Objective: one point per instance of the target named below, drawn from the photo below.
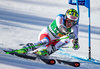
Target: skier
(64, 25)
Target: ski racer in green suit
(64, 25)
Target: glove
(25, 49)
(75, 44)
(29, 44)
(71, 35)
(29, 47)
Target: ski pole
(37, 45)
(68, 47)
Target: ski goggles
(72, 22)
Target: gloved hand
(29, 44)
(75, 44)
(25, 49)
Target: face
(70, 23)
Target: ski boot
(26, 48)
(21, 51)
(43, 52)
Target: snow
(22, 20)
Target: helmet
(71, 14)
(71, 17)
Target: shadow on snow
(36, 20)
(42, 3)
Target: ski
(49, 61)
(74, 64)
(30, 56)
(44, 59)
(35, 56)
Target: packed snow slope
(22, 20)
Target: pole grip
(89, 53)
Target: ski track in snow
(22, 20)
